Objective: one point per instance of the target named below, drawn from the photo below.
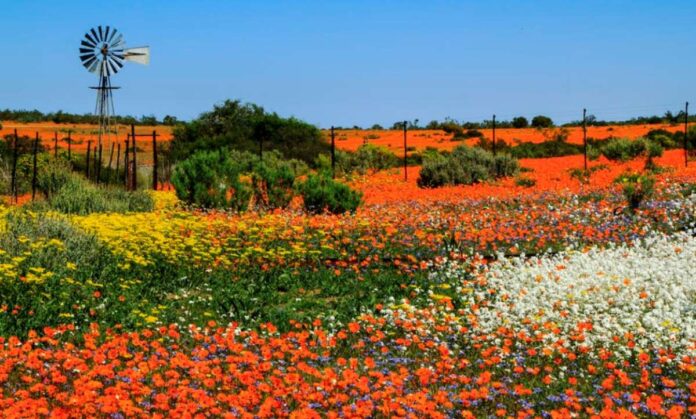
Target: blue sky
(362, 62)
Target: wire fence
(137, 161)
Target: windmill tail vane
(103, 52)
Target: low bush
(465, 166)
(636, 188)
(210, 179)
(524, 181)
(623, 149)
(321, 193)
(79, 196)
(272, 185)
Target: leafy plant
(464, 166)
(272, 186)
(636, 188)
(321, 193)
(210, 179)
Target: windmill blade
(117, 43)
(88, 62)
(114, 65)
(84, 43)
(106, 34)
(113, 35)
(94, 34)
(101, 34)
(87, 51)
(94, 66)
(140, 55)
(91, 39)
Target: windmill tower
(102, 52)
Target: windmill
(102, 52)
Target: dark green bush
(272, 185)
(464, 166)
(210, 179)
(248, 127)
(321, 193)
(524, 181)
(520, 122)
(541, 121)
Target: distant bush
(465, 166)
(524, 181)
(541, 121)
(210, 179)
(652, 151)
(248, 127)
(551, 148)
(623, 149)
(470, 133)
(367, 157)
(520, 122)
(321, 193)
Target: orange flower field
(393, 140)
(544, 298)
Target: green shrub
(321, 193)
(465, 166)
(246, 127)
(520, 122)
(210, 179)
(636, 188)
(79, 196)
(652, 151)
(556, 147)
(52, 175)
(541, 121)
(623, 149)
(525, 181)
(272, 186)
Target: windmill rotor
(103, 52)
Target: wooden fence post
(126, 162)
(69, 146)
(333, 153)
(405, 152)
(55, 144)
(89, 150)
(154, 160)
(14, 166)
(33, 177)
(135, 162)
(98, 163)
(111, 160)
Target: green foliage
(524, 181)
(470, 133)
(541, 121)
(368, 157)
(273, 185)
(79, 196)
(465, 166)
(520, 122)
(247, 127)
(636, 188)
(551, 148)
(623, 149)
(210, 179)
(321, 193)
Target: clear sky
(362, 62)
